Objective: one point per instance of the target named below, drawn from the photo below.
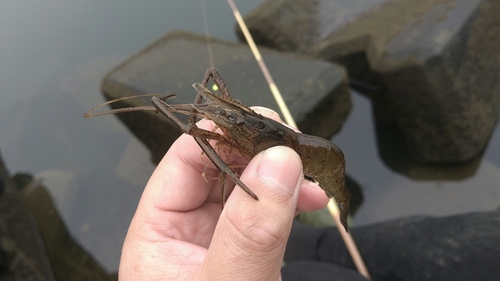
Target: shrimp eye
(240, 120)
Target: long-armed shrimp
(250, 133)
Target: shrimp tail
(324, 162)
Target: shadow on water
(394, 185)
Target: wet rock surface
(316, 92)
(318, 271)
(461, 247)
(22, 253)
(34, 242)
(68, 259)
(436, 61)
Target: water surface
(54, 55)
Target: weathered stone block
(460, 247)
(437, 60)
(316, 91)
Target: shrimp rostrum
(249, 133)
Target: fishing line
(207, 33)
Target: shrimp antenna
(91, 113)
(332, 205)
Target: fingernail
(281, 166)
(264, 111)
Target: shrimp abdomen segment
(324, 162)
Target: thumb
(250, 238)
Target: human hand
(180, 232)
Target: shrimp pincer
(250, 133)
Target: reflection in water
(54, 60)
(77, 162)
(62, 185)
(395, 155)
(67, 258)
(389, 195)
(357, 196)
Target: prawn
(250, 133)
